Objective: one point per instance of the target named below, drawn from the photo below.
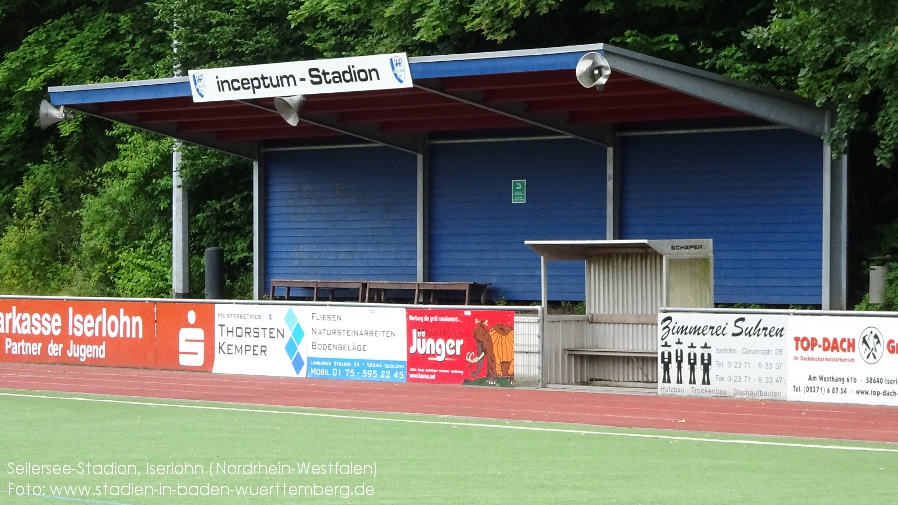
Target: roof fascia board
(499, 62)
(173, 87)
(778, 107)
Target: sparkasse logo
(191, 344)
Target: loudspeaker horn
(288, 107)
(50, 115)
(593, 70)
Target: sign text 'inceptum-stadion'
(338, 75)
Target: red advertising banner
(185, 336)
(98, 333)
(460, 346)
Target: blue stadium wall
(341, 214)
(477, 233)
(351, 213)
(758, 194)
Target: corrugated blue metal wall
(477, 233)
(351, 213)
(758, 194)
(341, 214)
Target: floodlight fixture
(289, 107)
(593, 71)
(50, 115)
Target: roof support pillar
(259, 226)
(423, 232)
(180, 230)
(835, 229)
(612, 190)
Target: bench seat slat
(612, 352)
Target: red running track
(716, 415)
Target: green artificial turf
(403, 459)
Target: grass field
(116, 450)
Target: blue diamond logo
(298, 363)
(293, 342)
(291, 348)
(298, 334)
(290, 319)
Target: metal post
(544, 309)
(259, 225)
(180, 231)
(422, 267)
(612, 191)
(180, 251)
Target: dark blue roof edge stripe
(172, 87)
(499, 62)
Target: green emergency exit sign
(519, 191)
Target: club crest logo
(397, 64)
(199, 84)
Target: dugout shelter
(445, 177)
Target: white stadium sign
(339, 75)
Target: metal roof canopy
(686, 277)
(574, 250)
(508, 93)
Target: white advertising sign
(338, 75)
(356, 343)
(304, 341)
(843, 359)
(797, 357)
(733, 355)
(254, 340)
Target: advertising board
(734, 355)
(79, 332)
(310, 341)
(769, 355)
(355, 343)
(185, 336)
(843, 359)
(460, 346)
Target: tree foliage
(842, 52)
(419, 27)
(220, 33)
(85, 207)
(125, 239)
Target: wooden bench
(638, 356)
(316, 287)
(470, 289)
(377, 290)
(620, 353)
(626, 353)
(424, 291)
